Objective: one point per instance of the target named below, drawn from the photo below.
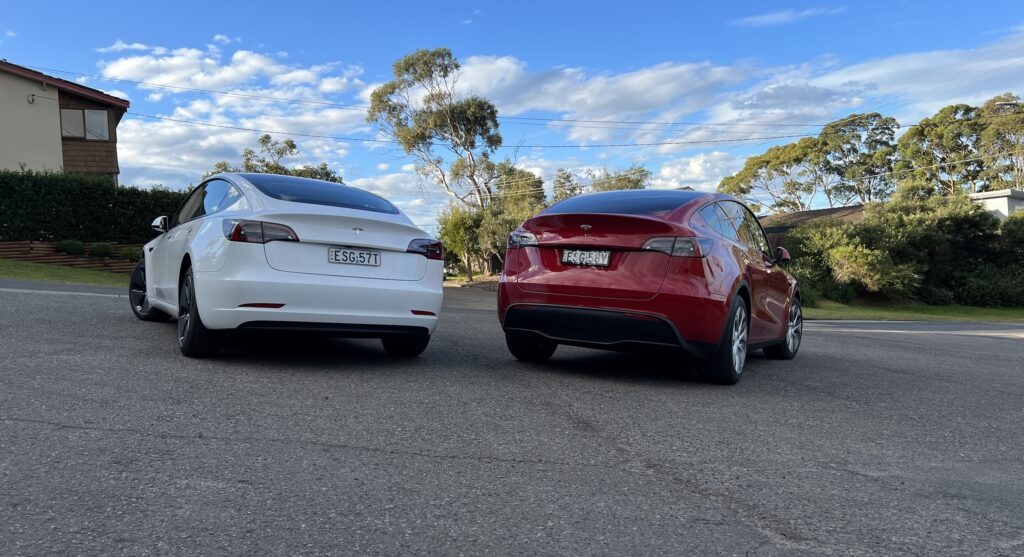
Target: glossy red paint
(693, 293)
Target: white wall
(29, 133)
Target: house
(1001, 203)
(50, 124)
(776, 226)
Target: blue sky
(743, 70)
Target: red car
(638, 269)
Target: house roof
(64, 85)
(1011, 193)
(853, 213)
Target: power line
(550, 146)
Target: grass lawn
(913, 312)
(25, 270)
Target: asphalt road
(879, 438)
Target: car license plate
(586, 257)
(351, 256)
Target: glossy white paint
(297, 274)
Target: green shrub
(101, 250)
(131, 254)
(49, 205)
(71, 247)
(872, 270)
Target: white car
(281, 253)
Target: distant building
(50, 124)
(1001, 203)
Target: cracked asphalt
(879, 438)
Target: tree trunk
(469, 267)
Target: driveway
(879, 438)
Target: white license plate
(350, 256)
(586, 257)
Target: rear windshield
(318, 192)
(651, 203)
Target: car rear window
(318, 192)
(651, 203)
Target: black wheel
(794, 335)
(194, 339)
(530, 348)
(726, 365)
(138, 298)
(406, 346)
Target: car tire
(138, 298)
(790, 344)
(405, 346)
(194, 339)
(530, 348)
(725, 367)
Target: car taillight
(257, 232)
(680, 247)
(520, 239)
(431, 249)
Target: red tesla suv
(638, 269)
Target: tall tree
(269, 160)
(860, 151)
(519, 195)
(635, 177)
(1002, 142)
(565, 186)
(459, 225)
(941, 153)
(785, 178)
(421, 110)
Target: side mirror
(781, 255)
(160, 224)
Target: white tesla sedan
(280, 253)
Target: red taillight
(257, 232)
(422, 312)
(431, 249)
(680, 247)
(521, 239)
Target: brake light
(257, 232)
(680, 247)
(431, 249)
(521, 239)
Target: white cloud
(224, 39)
(120, 46)
(701, 172)
(383, 166)
(117, 93)
(10, 34)
(467, 21)
(784, 17)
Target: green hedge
(54, 206)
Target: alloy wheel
(795, 330)
(184, 310)
(739, 339)
(137, 290)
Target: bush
(872, 270)
(48, 205)
(131, 254)
(71, 247)
(101, 250)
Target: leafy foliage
(101, 249)
(421, 110)
(268, 161)
(565, 186)
(131, 254)
(635, 177)
(51, 206)
(71, 247)
(459, 232)
(520, 195)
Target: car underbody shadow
(658, 366)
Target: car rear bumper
(670, 320)
(599, 328)
(343, 305)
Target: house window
(84, 124)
